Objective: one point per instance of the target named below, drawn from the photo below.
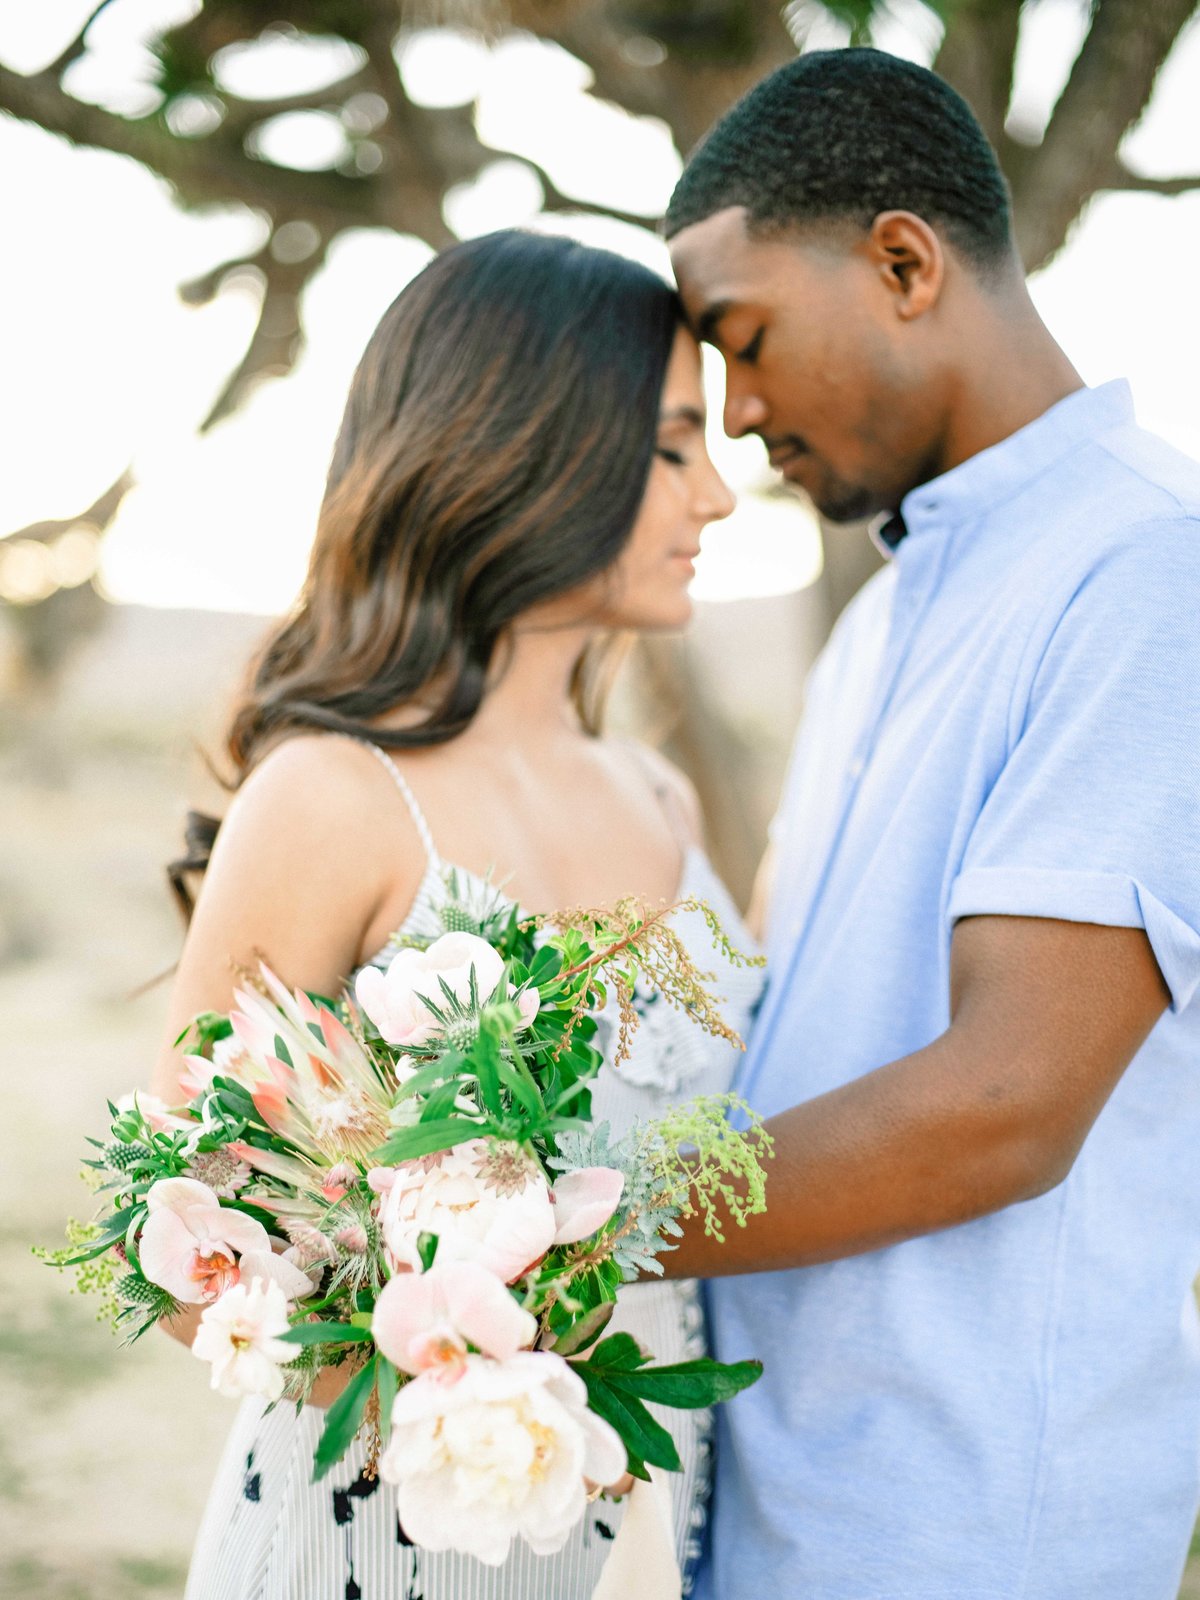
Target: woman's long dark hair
(493, 454)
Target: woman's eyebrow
(688, 414)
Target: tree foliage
(681, 63)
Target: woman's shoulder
(675, 790)
(315, 791)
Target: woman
(521, 471)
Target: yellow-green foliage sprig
(708, 1167)
(98, 1276)
(635, 940)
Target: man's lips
(779, 454)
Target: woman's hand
(183, 1325)
(612, 1491)
(332, 1384)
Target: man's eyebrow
(689, 414)
(710, 320)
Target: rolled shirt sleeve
(1095, 816)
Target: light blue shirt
(1006, 720)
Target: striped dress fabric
(270, 1533)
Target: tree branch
(1138, 183)
(78, 44)
(241, 115)
(1107, 91)
(278, 336)
(976, 56)
(202, 171)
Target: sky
(102, 366)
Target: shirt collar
(1001, 471)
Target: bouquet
(405, 1181)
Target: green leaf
(427, 1244)
(545, 966)
(690, 1385)
(448, 1068)
(388, 1381)
(619, 1353)
(343, 1420)
(426, 1138)
(485, 1059)
(585, 1331)
(112, 1231)
(305, 1333)
(645, 1440)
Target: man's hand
(1045, 1017)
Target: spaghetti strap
(410, 800)
(665, 794)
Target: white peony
(500, 1453)
(238, 1334)
(395, 999)
(504, 1221)
(489, 1202)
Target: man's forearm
(898, 1153)
(1046, 1016)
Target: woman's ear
(909, 258)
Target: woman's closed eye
(673, 456)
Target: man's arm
(1045, 1017)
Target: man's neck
(1016, 373)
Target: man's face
(819, 361)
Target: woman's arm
(312, 847)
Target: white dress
(270, 1533)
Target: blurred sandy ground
(105, 1453)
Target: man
(980, 1050)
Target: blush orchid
(197, 1249)
(424, 1322)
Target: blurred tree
(683, 63)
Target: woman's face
(647, 586)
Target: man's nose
(744, 413)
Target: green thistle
(138, 1291)
(119, 1157)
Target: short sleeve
(1095, 816)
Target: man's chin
(852, 506)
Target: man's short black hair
(841, 135)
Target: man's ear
(908, 256)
